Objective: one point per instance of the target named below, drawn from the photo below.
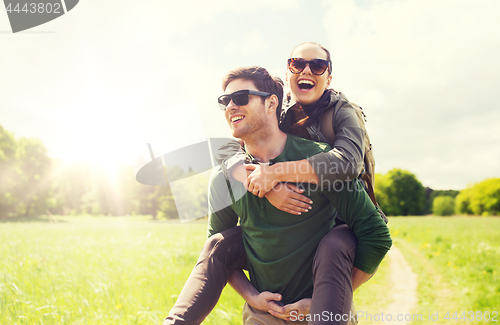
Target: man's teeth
(307, 82)
(236, 118)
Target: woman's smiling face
(307, 87)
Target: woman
(308, 99)
(308, 77)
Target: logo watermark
(363, 316)
(28, 14)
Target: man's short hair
(262, 80)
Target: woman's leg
(222, 253)
(332, 276)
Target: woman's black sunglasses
(239, 97)
(317, 66)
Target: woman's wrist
(279, 171)
(299, 171)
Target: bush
(400, 193)
(434, 194)
(480, 199)
(462, 201)
(443, 206)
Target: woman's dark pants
(224, 252)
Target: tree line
(33, 184)
(400, 193)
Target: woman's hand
(262, 179)
(293, 312)
(288, 197)
(266, 301)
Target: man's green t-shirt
(280, 246)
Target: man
(281, 248)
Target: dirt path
(400, 291)
(403, 287)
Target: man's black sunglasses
(239, 97)
(317, 66)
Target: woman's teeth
(305, 84)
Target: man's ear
(272, 103)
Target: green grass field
(99, 271)
(457, 260)
(87, 270)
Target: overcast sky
(102, 80)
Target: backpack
(368, 173)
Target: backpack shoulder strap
(326, 126)
(326, 121)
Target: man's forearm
(240, 283)
(359, 277)
(264, 301)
